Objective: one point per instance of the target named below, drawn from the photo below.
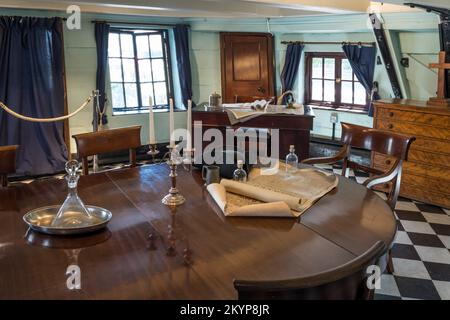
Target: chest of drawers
(426, 174)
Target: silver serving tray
(40, 220)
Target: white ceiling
(435, 3)
(218, 8)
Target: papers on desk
(255, 105)
(279, 195)
(241, 112)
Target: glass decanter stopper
(73, 212)
(240, 174)
(291, 160)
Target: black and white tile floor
(421, 250)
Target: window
(331, 82)
(139, 67)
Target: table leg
(299, 138)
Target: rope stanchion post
(95, 123)
(96, 94)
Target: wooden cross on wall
(440, 100)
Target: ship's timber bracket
(444, 35)
(388, 45)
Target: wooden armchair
(89, 144)
(385, 142)
(7, 163)
(347, 282)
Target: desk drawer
(427, 196)
(431, 145)
(413, 129)
(411, 116)
(429, 171)
(383, 162)
(434, 185)
(441, 160)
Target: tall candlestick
(151, 124)
(189, 125)
(171, 127)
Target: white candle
(189, 125)
(171, 127)
(151, 123)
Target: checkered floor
(421, 251)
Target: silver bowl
(40, 220)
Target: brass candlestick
(173, 198)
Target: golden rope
(22, 117)
(99, 112)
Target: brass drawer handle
(391, 114)
(390, 126)
(388, 162)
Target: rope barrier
(22, 117)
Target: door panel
(247, 65)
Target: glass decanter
(239, 174)
(291, 160)
(73, 212)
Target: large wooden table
(293, 129)
(121, 263)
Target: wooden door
(247, 65)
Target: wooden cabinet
(426, 174)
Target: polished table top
(194, 252)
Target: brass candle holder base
(173, 198)
(153, 151)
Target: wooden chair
(347, 282)
(7, 163)
(388, 143)
(245, 99)
(385, 142)
(89, 144)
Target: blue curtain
(362, 60)
(32, 83)
(290, 69)
(101, 38)
(181, 33)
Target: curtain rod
(135, 23)
(330, 42)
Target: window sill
(356, 111)
(127, 113)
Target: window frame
(337, 104)
(166, 57)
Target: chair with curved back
(388, 143)
(347, 282)
(7, 163)
(93, 143)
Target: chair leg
(4, 180)
(85, 166)
(133, 157)
(390, 264)
(371, 294)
